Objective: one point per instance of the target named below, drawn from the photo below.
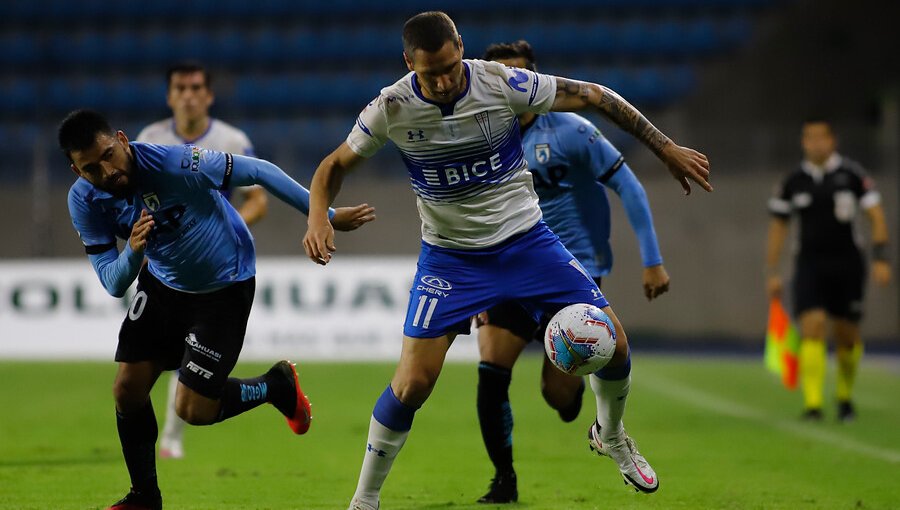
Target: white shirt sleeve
(370, 132)
(528, 91)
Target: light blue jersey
(199, 242)
(569, 159)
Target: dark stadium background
(733, 78)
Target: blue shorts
(533, 269)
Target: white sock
(611, 397)
(173, 430)
(382, 448)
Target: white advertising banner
(352, 309)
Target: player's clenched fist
(140, 232)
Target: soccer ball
(580, 339)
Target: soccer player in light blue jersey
(190, 95)
(570, 162)
(195, 292)
(483, 240)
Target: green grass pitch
(720, 433)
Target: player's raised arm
(326, 183)
(682, 162)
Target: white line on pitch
(710, 402)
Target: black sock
(571, 411)
(242, 395)
(137, 433)
(495, 415)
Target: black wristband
(880, 252)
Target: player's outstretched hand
(684, 164)
(351, 218)
(140, 231)
(319, 241)
(656, 281)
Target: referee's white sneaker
(634, 467)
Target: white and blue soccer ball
(580, 339)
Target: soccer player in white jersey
(190, 97)
(483, 241)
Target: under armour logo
(372, 449)
(596, 293)
(415, 135)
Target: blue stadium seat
(19, 97)
(19, 49)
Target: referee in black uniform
(826, 193)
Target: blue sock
(392, 413)
(616, 373)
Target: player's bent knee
(414, 390)
(130, 393)
(196, 409)
(621, 355)
(129, 397)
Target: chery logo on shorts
(437, 283)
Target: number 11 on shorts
(432, 303)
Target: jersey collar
(195, 140)
(818, 172)
(446, 108)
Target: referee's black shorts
(835, 283)
(513, 317)
(202, 334)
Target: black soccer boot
(812, 414)
(503, 489)
(139, 501)
(846, 411)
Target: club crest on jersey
(484, 122)
(542, 153)
(151, 201)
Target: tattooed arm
(682, 162)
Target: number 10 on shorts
(432, 304)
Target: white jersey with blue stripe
(464, 158)
(219, 136)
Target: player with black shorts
(572, 164)
(194, 294)
(826, 193)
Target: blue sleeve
(634, 199)
(608, 166)
(116, 270)
(246, 171)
